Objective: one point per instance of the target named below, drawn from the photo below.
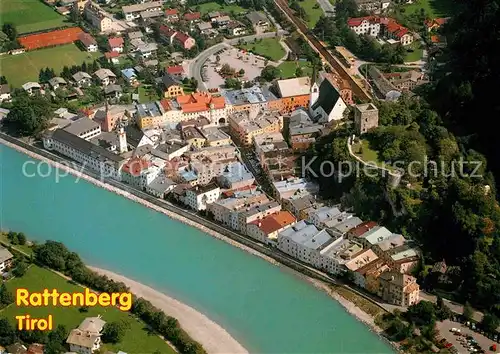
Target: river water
(268, 309)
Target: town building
(406, 81)
(113, 91)
(287, 188)
(133, 12)
(130, 76)
(384, 88)
(192, 17)
(139, 172)
(299, 202)
(336, 254)
(146, 50)
(398, 289)
(302, 131)
(236, 29)
(193, 137)
(365, 117)
(266, 229)
(215, 137)
(171, 15)
(171, 87)
(256, 212)
(294, 93)
(149, 115)
(236, 176)
(369, 25)
(373, 6)
(258, 20)
(87, 337)
(32, 87)
(246, 99)
(96, 17)
(115, 44)
(192, 106)
(105, 76)
(198, 197)
(435, 24)
(396, 32)
(325, 103)
(6, 259)
(226, 211)
(246, 125)
(104, 161)
(176, 72)
(82, 79)
(304, 242)
(5, 95)
(88, 42)
(160, 186)
(84, 128)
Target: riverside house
(87, 337)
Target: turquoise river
(266, 308)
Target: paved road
(455, 307)
(196, 64)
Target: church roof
(328, 97)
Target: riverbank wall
(275, 257)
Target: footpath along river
(268, 309)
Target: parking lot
(467, 340)
(235, 58)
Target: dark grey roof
(134, 135)
(81, 75)
(81, 126)
(328, 97)
(112, 88)
(299, 117)
(256, 17)
(85, 146)
(168, 81)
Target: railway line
(357, 90)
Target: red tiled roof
(441, 21)
(135, 166)
(171, 12)
(200, 102)
(191, 16)
(274, 222)
(182, 37)
(395, 28)
(86, 39)
(167, 31)
(115, 42)
(173, 70)
(359, 230)
(47, 39)
(356, 21)
(111, 54)
(435, 39)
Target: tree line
(57, 257)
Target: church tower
(314, 91)
(122, 139)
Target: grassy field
(136, 340)
(147, 94)
(215, 6)
(367, 154)
(288, 68)
(313, 10)
(267, 47)
(30, 15)
(433, 8)
(23, 248)
(25, 67)
(416, 54)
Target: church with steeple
(325, 103)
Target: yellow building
(194, 137)
(149, 115)
(171, 87)
(246, 125)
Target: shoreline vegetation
(358, 313)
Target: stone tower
(365, 117)
(122, 139)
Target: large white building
(94, 157)
(369, 25)
(132, 12)
(325, 103)
(86, 339)
(199, 197)
(304, 241)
